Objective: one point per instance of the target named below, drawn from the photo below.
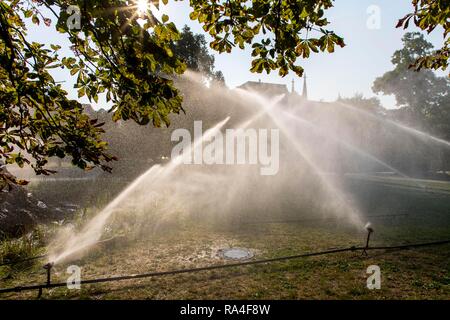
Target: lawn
(409, 274)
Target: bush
(22, 248)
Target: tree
(112, 54)
(423, 97)
(132, 63)
(428, 15)
(193, 50)
(372, 105)
(424, 93)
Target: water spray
(93, 231)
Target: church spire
(293, 86)
(305, 89)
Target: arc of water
(244, 125)
(347, 145)
(92, 232)
(397, 125)
(353, 213)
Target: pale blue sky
(347, 71)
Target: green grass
(400, 182)
(410, 274)
(21, 248)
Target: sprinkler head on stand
(369, 233)
(49, 267)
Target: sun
(142, 6)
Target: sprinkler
(49, 267)
(369, 233)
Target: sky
(368, 27)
